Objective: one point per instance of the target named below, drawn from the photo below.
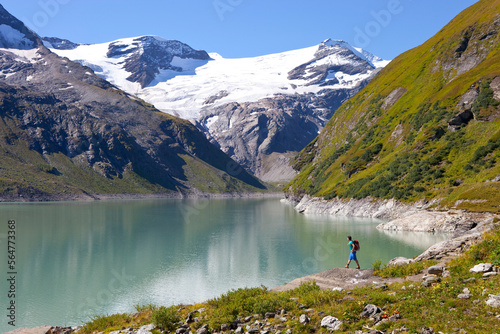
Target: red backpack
(356, 245)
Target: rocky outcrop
(431, 221)
(393, 97)
(367, 207)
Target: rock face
(64, 126)
(260, 111)
(264, 136)
(427, 221)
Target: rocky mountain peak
(14, 34)
(59, 43)
(145, 56)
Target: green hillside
(428, 126)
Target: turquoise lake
(76, 260)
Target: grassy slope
(407, 151)
(419, 307)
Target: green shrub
(376, 265)
(166, 318)
(405, 269)
(102, 322)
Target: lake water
(75, 260)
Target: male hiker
(353, 247)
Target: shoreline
(104, 197)
(465, 229)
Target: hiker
(352, 256)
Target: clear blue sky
(244, 28)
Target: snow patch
(210, 121)
(12, 38)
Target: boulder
(202, 330)
(435, 270)
(304, 319)
(252, 329)
(493, 301)
(430, 280)
(397, 261)
(370, 310)
(482, 268)
(146, 329)
(492, 273)
(331, 323)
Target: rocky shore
(366, 207)
(97, 197)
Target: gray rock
(482, 268)
(492, 273)
(429, 221)
(238, 330)
(202, 330)
(430, 280)
(225, 327)
(270, 315)
(464, 296)
(181, 330)
(398, 261)
(339, 289)
(370, 310)
(331, 323)
(252, 329)
(304, 319)
(435, 270)
(289, 331)
(426, 330)
(146, 329)
(493, 300)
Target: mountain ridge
(244, 106)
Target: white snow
(246, 80)
(25, 56)
(210, 121)
(375, 61)
(14, 38)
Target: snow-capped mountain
(66, 132)
(277, 102)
